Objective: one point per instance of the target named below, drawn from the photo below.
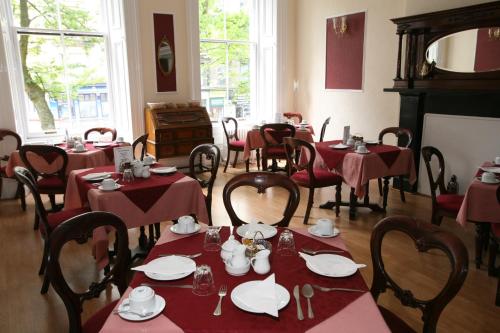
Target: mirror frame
(165, 39)
(420, 31)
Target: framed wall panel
(166, 78)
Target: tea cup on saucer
(185, 224)
(324, 227)
(361, 149)
(142, 299)
(79, 147)
(488, 177)
(108, 184)
(497, 160)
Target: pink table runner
(254, 140)
(358, 169)
(480, 203)
(93, 157)
(342, 309)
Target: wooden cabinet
(175, 132)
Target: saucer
(163, 170)
(173, 228)
(362, 153)
(117, 186)
(339, 146)
(159, 306)
(171, 260)
(312, 231)
(96, 176)
(79, 151)
(494, 182)
(372, 142)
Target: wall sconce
(340, 28)
(494, 33)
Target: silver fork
(337, 289)
(222, 293)
(312, 252)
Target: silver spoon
(308, 292)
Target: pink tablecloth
(183, 197)
(346, 316)
(254, 140)
(480, 203)
(93, 157)
(358, 169)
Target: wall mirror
(165, 57)
(469, 51)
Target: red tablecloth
(290, 271)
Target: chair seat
(450, 202)
(323, 177)
(50, 183)
(54, 219)
(238, 144)
(396, 324)
(96, 322)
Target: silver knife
(189, 286)
(296, 294)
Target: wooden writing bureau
(175, 132)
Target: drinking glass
(203, 281)
(128, 176)
(212, 239)
(286, 244)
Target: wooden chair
(101, 131)
(291, 115)
(49, 221)
(426, 237)
(405, 137)
(261, 181)
(5, 133)
(272, 136)
(50, 183)
(230, 126)
(494, 246)
(323, 128)
(79, 229)
(305, 175)
(198, 159)
(143, 139)
(444, 204)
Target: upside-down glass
(128, 176)
(286, 244)
(203, 281)
(212, 239)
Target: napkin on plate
(95, 175)
(329, 264)
(171, 265)
(262, 297)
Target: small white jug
(260, 263)
(238, 258)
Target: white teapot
(260, 262)
(238, 258)
(228, 247)
(137, 168)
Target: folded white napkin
(263, 297)
(329, 264)
(95, 175)
(171, 265)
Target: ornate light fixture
(340, 25)
(494, 33)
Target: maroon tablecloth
(193, 313)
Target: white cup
(148, 160)
(488, 177)
(325, 227)
(497, 160)
(185, 224)
(119, 139)
(108, 184)
(79, 147)
(142, 299)
(361, 149)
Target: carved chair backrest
(438, 183)
(143, 139)
(403, 134)
(323, 128)
(230, 126)
(297, 146)
(198, 159)
(51, 154)
(273, 134)
(101, 131)
(5, 133)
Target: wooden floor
(24, 309)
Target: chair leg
(492, 256)
(247, 165)
(52, 198)
(435, 219)
(380, 186)
(21, 194)
(257, 155)
(143, 239)
(235, 158)
(157, 231)
(401, 191)
(310, 201)
(45, 256)
(338, 199)
(37, 222)
(264, 164)
(227, 159)
(46, 283)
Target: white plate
(96, 176)
(491, 169)
(339, 146)
(364, 153)
(102, 144)
(371, 142)
(267, 230)
(197, 228)
(159, 306)
(312, 231)
(79, 151)
(117, 186)
(170, 277)
(163, 170)
(282, 295)
(496, 181)
(333, 259)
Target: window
(60, 48)
(227, 53)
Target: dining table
(357, 169)
(142, 202)
(481, 207)
(340, 311)
(93, 155)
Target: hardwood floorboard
(24, 309)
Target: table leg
(353, 199)
(482, 233)
(386, 192)
(143, 239)
(257, 156)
